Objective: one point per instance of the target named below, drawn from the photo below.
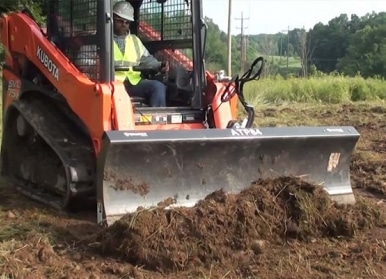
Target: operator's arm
(148, 60)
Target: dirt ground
(285, 229)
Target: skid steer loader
(72, 133)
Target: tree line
(349, 45)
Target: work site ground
(278, 228)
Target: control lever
(142, 69)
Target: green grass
(293, 62)
(332, 89)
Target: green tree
(216, 47)
(367, 52)
(330, 42)
(38, 8)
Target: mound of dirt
(229, 228)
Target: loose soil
(278, 228)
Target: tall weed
(333, 89)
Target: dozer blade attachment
(145, 168)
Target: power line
(243, 43)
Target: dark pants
(153, 91)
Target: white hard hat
(124, 10)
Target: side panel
(91, 102)
(12, 87)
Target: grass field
(36, 242)
(326, 89)
(293, 62)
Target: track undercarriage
(45, 157)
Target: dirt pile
(228, 228)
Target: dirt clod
(11, 215)
(77, 257)
(258, 246)
(126, 183)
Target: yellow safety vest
(134, 50)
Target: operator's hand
(164, 67)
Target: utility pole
(229, 73)
(281, 42)
(243, 43)
(287, 47)
(281, 46)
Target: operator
(129, 49)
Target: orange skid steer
(72, 133)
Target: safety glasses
(122, 21)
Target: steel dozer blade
(144, 168)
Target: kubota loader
(72, 133)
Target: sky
(273, 16)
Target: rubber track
(73, 148)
